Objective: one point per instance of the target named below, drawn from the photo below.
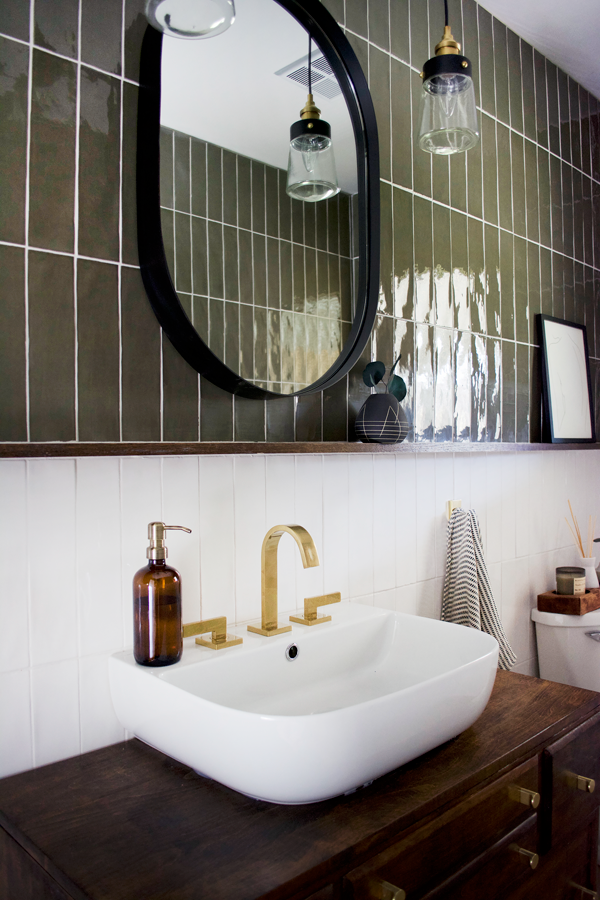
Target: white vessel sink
(367, 692)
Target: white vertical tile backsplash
(75, 533)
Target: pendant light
(191, 19)
(448, 112)
(311, 164)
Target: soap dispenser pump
(157, 623)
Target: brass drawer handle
(532, 858)
(584, 892)
(522, 795)
(378, 889)
(588, 785)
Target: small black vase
(381, 420)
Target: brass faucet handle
(311, 604)
(218, 628)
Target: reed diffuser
(587, 560)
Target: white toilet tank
(569, 648)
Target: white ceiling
(566, 31)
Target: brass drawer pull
(522, 795)
(532, 858)
(588, 785)
(378, 889)
(584, 892)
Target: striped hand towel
(468, 598)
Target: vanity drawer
(571, 779)
(452, 840)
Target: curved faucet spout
(309, 557)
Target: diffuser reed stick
(575, 531)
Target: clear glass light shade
(311, 168)
(448, 114)
(191, 19)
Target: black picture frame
(153, 263)
(566, 384)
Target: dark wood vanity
(506, 810)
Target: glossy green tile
(531, 181)
(183, 253)
(200, 316)
(258, 197)
(285, 209)
(486, 61)
(259, 269)
(541, 111)
(584, 107)
(52, 167)
(246, 369)
(386, 251)
(229, 188)
(501, 72)
(558, 289)
(299, 286)
(443, 374)
(51, 347)
(401, 77)
(479, 379)
(553, 116)
(399, 30)
(166, 167)
(56, 26)
(515, 82)
(297, 211)
(135, 28)
(14, 65)
(260, 344)
(404, 347)
(462, 387)
(535, 389)
(215, 259)
(421, 161)
(309, 417)
(274, 349)
(356, 17)
(590, 310)
(477, 279)
(520, 288)
(534, 296)
(99, 165)
(564, 116)
(280, 419)
(556, 204)
(249, 419)
(98, 351)
(214, 182)
(335, 415)
(272, 201)
(567, 208)
(216, 327)
(333, 225)
(494, 390)
(101, 35)
(440, 178)
(577, 215)
(492, 278)
(518, 181)
(504, 178)
(310, 224)
(522, 391)
(168, 236)
(578, 293)
(442, 268)
(507, 294)
(529, 119)
(287, 288)
(403, 253)
(379, 69)
(128, 184)
(379, 23)
(320, 225)
(423, 261)
(546, 281)
(544, 197)
(509, 400)
(490, 170)
(140, 364)
(596, 295)
(230, 263)
(587, 221)
(596, 207)
(460, 271)
(199, 256)
(595, 136)
(14, 19)
(273, 296)
(569, 289)
(575, 126)
(419, 34)
(474, 176)
(322, 284)
(216, 413)
(458, 181)
(13, 365)
(232, 336)
(244, 196)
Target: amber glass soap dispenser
(157, 637)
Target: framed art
(566, 386)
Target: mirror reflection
(268, 281)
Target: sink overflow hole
(292, 652)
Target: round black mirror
(262, 293)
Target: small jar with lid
(570, 580)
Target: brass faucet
(268, 558)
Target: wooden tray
(569, 604)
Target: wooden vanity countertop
(128, 823)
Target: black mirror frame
(153, 263)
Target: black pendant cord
(310, 66)
(446, 11)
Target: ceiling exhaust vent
(324, 81)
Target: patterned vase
(381, 420)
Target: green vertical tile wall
(472, 247)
